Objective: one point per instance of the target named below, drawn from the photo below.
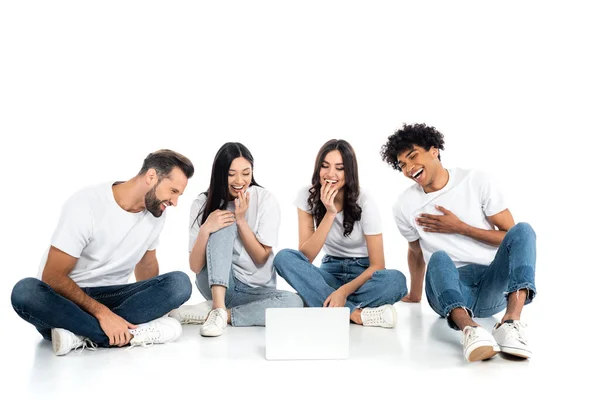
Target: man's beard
(153, 203)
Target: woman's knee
(286, 257)
(290, 300)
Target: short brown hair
(164, 160)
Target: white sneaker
(511, 338)
(215, 323)
(384, 316)
(195, 314)
(63, 341)
(478, 344)
(161, 330)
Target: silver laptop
(307, 333)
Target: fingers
(122, 339)
(326, 302)
(429, 223)
(326, 192)
(442, 209)
(226, 219)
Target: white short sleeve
(491, 198)
(370, 220)
(302, 199)
(75, 227)
(269, 218)
(406, 229)
(194, 225)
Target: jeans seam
(126, 290)
(32, 318)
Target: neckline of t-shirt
(112, 200)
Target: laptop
(307, 333)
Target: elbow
(50, 279)
(263, 258)
(310, 257)
(194, 266)
(195, 269)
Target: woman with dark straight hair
(336, 215)
(234, 226)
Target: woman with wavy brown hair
(336, 215)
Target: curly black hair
(407, 138)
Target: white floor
(420, 357)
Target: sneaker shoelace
(212, 318)
(145, 337)
(190, 318)
(86, 344)
(372, 316)
(471, 335)
(516, 331)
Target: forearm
(416, 268)
(198, 253)
(360, 280)
(311, 247)
(254, 248)
(65, 286)
(491, 237)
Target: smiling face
(166, 192)
(239, 177)
(332, 170)
(420, 165)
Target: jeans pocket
(326, 258)
(363, 262)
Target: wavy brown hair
(352, 211)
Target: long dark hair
(218, 189)
(352, 211)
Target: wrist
(330, 213)
(464, 229)
(204, 230)
(344, 290)
(101, 312)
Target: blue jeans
(481, 289)
(247, 304)
(314, 285)
(37, 303)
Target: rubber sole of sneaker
(56, 343)
(206, 333)
(395, 317)
(482, 353)
(516, 352)
(193, 322)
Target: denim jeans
(37, 303)
(481, 289)
(314, 284)
(247, 304)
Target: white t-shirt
(107, 241)
(355, 245)
(471, 196)
(263, 217)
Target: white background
(88, 89)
